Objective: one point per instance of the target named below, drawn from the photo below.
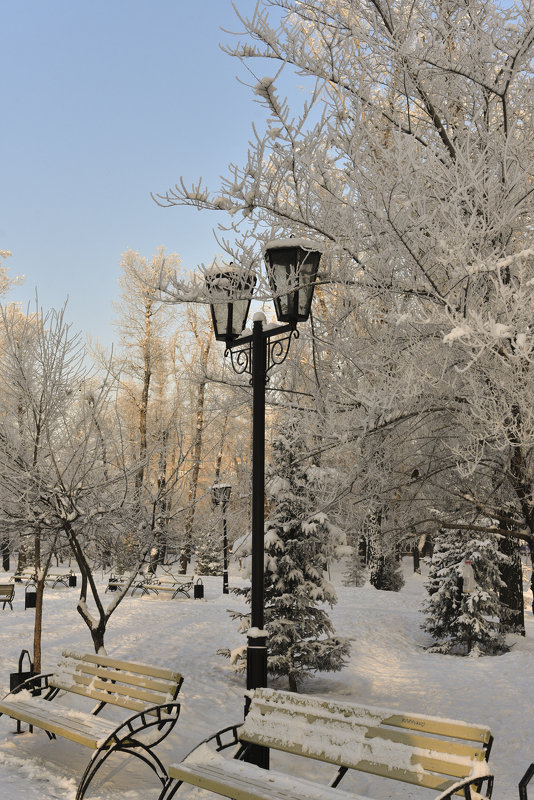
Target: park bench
(63, 578)
(145, 692)
(28, 576)
(7, 594)
(25, 575)
(116, 582)
(165, 584)
(443, 755)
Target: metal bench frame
(128, 736)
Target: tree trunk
(5, 553)
(39, 592)
(185, 555)
(512, 593)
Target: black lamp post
(220, 493)
(292, 266)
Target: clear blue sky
(102, 103)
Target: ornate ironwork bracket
(277, 342)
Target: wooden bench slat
(436, 725)
(416, 739)
(130, 666)
(85, 729)
(241, 781)
(100, 697)
(97, 684)
(418, 768)
(155, 684)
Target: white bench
(147, 693)
(443, 755)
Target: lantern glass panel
(230, 291)
(221, 492)
(292, 271)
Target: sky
(104, 103)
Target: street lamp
(292, 266)
(220, 494)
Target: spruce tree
(298, 543)
(209, 552)
(355, 571)
(459, 621)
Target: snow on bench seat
(242, 781)
(77, 726)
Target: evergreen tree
(209, 553)
(355, 572)
(298, 543)
(465, 621)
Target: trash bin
(16, 678)
(72, 579)
(30, 597)
(198, 590)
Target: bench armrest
(157, 720)
(472, 788)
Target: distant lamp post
(220, 494)
(292, 266)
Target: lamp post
(292, 265)
(220, 493)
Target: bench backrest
(122, 683)
(6, 590)
(426, 751)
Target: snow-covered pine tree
(298, 543)
(355, 571)
(465, 622)
(209, 554)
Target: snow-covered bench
(28, 576)
(165, 584)
(147, 693)
(447, 756)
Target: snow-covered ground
(389, 666)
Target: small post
(225, 549)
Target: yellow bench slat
(241, 781)
(153, 684)
(85, 729)
(286, 701)
(100, 697)
(130, 666)
(111, 689)
(416, 739)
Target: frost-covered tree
(355, 569)
(410, 157)
(465, 619)
(209, 551)
(299, 540)
(385, 568)
(63, 472)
